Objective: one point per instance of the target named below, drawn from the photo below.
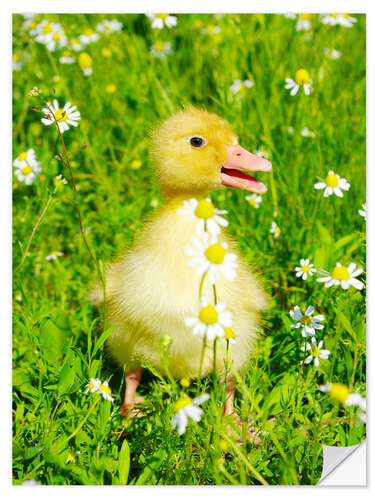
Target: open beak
(238, 161)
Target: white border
(165, 6)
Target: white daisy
(50, 34)
(332, 53)
(67, 58)
(341, 275)
(64, 117)
(85, 62)
(241, 86)
(316, 352)
(209, 217)
(211, 320)
(262, 153)
(93, 385)
(303, 79)
(307, 321)
(161, 49)
(346, 20)
(304, 22)
(275, 230)
(161, 20)
(105, 391)
(212, 257)
(88, 36)
(109, 26)
(290, 15)
(305, 132)
(76, 44)
(185, 408)
(211, 29)
(27, 167)
(54, 255)
(363, 212)
(254, 200)
(17, 62)
(306, 269)
(341, 394)
(330, 19)
(333, 184)
(229, 336)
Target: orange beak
(239, 160)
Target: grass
(58, 343)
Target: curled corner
(352, 462)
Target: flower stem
(204, 345)
(201, 286)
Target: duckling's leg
(132, 379)
(229, 411)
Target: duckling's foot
(240, 431)
(236, 428)
(132, 379)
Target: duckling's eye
(197, 142)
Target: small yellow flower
(110, 89)
(106, 52)
(185, 382)
(223, 445)
(136, 164)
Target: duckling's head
(195, 151)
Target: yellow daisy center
(315, 351)
(105, 389)
(333, 15)
(182, 402)
(67, 53)
(162, 16)
(88, 32)
(185, 382)
(277, 230)
(340, 273)
(71, 457)
(75, 41)
(305, 268)
(22, 156)
(16, 57)
(332, 180)
(205, 210)
(252, 202)
(208, 315)
(198, 24)
(56, 37)
(305, 17)
(229, 333)
(107, 27)
(84, 61)
(47, 28)
(159, 46)
(302, 77)
(27, 170)
(210, 28)
(306, 320)
(61, 115)
(339, 392)
(345, 16)
(32, 25)
(91, 385)
(215, 253)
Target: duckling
(152, 289)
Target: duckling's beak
(239, 160)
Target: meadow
(124, 82)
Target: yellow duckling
(152, 289)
